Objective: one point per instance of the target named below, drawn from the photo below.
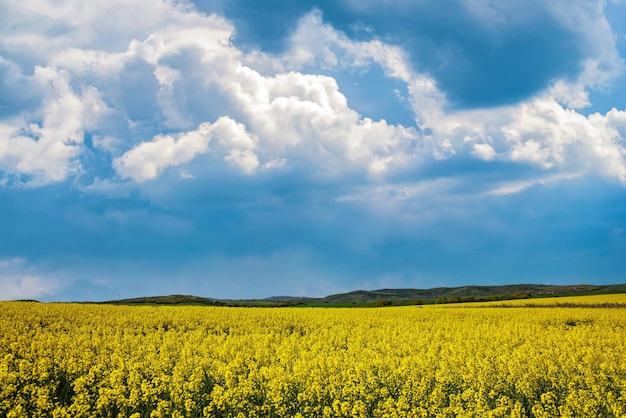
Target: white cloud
(166, 99)
(45, 146)
(109, 188)
(513, 187)
(145, 161)
(106, 143)
(85, 61)
(545, 133)
(484, 151)
(260, 111)
(601, 62)
(289, 113)
(319, 44)
(414, 191)
(18, 280)
(41, 29)
(77, 48)
(148, 159)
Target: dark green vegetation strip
(392, 297)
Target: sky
(256, 148)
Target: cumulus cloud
(484, 151)
(290, 113)
(44, 147)
(544, 130)
(172, 87)
(148, 159)
(546, 134)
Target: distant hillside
(516, 291)
(384, 297)
(168, 300)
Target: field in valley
(423, 361)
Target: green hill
(385, 297)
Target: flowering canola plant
(617, 300)
(72, 360)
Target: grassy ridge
(388, 297)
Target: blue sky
(242, 149)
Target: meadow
(73, 360)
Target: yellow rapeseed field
(70, 360)
(608, 301)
